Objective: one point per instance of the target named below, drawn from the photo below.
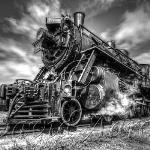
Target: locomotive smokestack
(79, 18)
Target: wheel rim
(71, 112)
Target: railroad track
(53, 128)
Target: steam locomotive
(82, 75)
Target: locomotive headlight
(67, 90)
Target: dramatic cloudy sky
(126, 21)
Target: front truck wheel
(71, 112)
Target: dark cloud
(17, 60)
(133, 33)
(135, 27)
(34, 18)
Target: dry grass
(122, 136)
(94, 142)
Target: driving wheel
(71, 112)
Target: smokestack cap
(79, 18)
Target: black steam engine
(81, 75)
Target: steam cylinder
(79, 18)
(97, 73)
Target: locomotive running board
(132, 67)
(120, 57)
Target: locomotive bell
(79, 18)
